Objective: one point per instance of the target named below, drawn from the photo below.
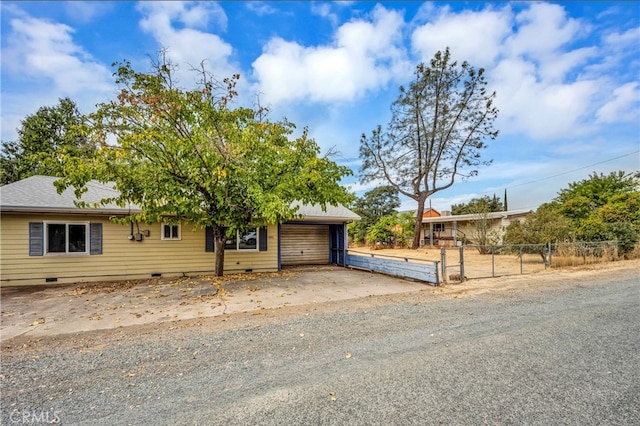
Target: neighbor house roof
(38, 194)
(475, 216)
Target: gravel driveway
(548, 349)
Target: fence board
(427, 272)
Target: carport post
(443, 262)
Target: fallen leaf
(348, 355)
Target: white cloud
(624, 105)
(261, 8)
(365, 56)
(539, 109)
(189, 45)
(45, 50)
(86, 11)
(43, 54)
(191, 14)
(324, 10)
(474, 37)
(543, 28)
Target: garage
(304, 244)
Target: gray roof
(314, 213)
(475, 216)
(38, 194)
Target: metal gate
(449, 263)
(416, 269)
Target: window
(59, 238)
(247, 241)
(170, 232)
(438, 227)
(66, 238)
(254, 239)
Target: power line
(574, 170)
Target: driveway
(554, 348)
(46, 311)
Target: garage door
(304, 245)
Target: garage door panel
(304, 245)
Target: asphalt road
(566, 353)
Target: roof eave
(64, 210)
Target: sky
(566, 74)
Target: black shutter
(208, 239)
(262, 238)
(95, 238)
(36, 239)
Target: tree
(604, 208)
(384, 232)
(478, 205)
(379, 202)
(43, 138)
(188, 156)
(545, 225)
(437, 130)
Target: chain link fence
(484, 261)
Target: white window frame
(87, 239)
(237, 245)
(173, 237)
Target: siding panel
(121, 258)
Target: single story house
(446, 229)
(45, 238)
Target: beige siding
(121, 258)
(304, 244)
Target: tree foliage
(545, 225)
(373, 205)
(600, 208)
(437, 131)
(604, 208)
(189, 156)
(478, 205)
(43, 138)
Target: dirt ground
(159, 306)
(478, 265)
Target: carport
(318, 238)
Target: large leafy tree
(188, 155)
(604, 207)
(600, 208)
(478, 205)
(545, 225)
(438, 128)
(373, 205)
(44, 137)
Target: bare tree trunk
(418, 226)
(219, 240)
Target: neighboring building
(446, 229)
(45, 238)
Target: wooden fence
(416, 269)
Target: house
(447, 229)
(45, 238)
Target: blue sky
(567, 74)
